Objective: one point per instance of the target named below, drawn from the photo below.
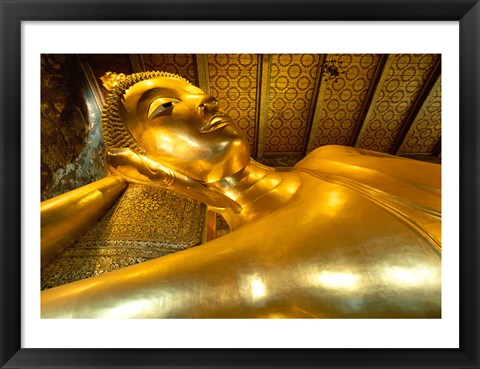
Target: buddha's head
(172, 122)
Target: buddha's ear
(137, 168)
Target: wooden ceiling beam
(136, 60)
(371, 93)
(201, 71)
(256, 123)
(315, 107)
(261, 110)
(438, 147)
(412, 115)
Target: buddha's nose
(208, 107)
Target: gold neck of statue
(258, 190)
(241, 197)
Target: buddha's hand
(138, 168)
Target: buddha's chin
(236, 158)
(212, 165)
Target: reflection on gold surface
(257, 288)
(334, 201)
(412, 276)
(127, 310)
(345, 233)
(338, 281)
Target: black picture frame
(467, 12)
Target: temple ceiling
(288, 105)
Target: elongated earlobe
(137, 168)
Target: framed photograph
(443, 34)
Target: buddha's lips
(217, 122)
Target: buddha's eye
(161, 107)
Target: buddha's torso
(353, 241)
(334, 251)
(356, 239)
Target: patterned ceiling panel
(181, 64)
(341, 100)
(424, 135)
(287, 105)
(292, 82)
(404, 78)
(233, 82)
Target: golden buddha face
(178, 125)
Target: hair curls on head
(115, 134)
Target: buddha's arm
(185, 284)
(65, 217)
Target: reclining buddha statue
(345, 233)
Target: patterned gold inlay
(405, 77)
(426, 130)
(291, 87)
(341, 100)
(233, 82)
(146, 223)
(181, 64)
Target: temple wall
(72, 149)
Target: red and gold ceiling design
(288, 105)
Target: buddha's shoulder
(388, 173)
(344, 160)
(338, 152)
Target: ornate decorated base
(145, 223)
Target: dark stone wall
(72, 149)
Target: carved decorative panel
(405, 76)
(292, 80)
(341, 100)
(181, 64)
(426, 130)
(233, 82)
(145, 223)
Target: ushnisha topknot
(115, 134)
